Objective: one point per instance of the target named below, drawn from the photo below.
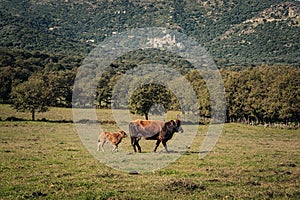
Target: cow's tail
(131, 128)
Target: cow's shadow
(171, 152)
(179, 152)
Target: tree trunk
(146, 116)
(33, 115)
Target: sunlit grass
(48, 160)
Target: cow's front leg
(157, 144)
(133, 141)
(138, 146)
(165, 145)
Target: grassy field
(47, 160)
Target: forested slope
(234, 32)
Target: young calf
(113, 138)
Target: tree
(104, 89)
(201, 90)
(147, 96)
(60, 86)
(31, 96)
(5, 82)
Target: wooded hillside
(234, 31)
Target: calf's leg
(98, 149)
(102, 144)
(115, 147)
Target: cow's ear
(167, 124)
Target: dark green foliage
(60, 85)
(42, 91)
(201, 91)
(17, 66)
(149, 96)
(75, 27)
(31, 96)
(263, 94)
(34, 61)
(104, 89)
(128, 62)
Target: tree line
(264, 94)
(257, 95)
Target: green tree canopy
(147, 96)
(263, 94)
(31, 96)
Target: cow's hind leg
(157, 144)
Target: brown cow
(113, 138)
(153, 130)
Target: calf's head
(122, 134)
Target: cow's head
(177, 125)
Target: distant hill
(235, 32)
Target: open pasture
(48, 160)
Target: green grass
(48, 160)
